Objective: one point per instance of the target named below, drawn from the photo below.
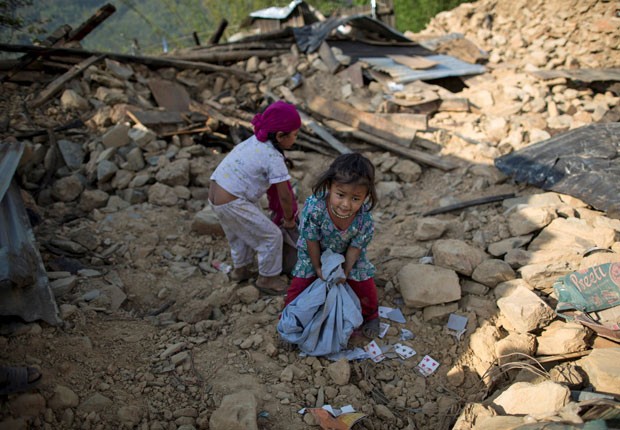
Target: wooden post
(214, 40)
(91, 23)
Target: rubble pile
(154, 335)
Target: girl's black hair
(272, 138)
(351, 168)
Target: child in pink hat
(241, 179)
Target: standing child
(337, 217)
(241, 179)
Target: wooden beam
(149, 61)
(59, 82)
(91, 23)
(412, 154)
(364, 121)
(310, 123)
(215, 38)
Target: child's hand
(319, 273)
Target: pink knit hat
(279, 116)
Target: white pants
(250, 231)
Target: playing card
(375, 351)
(404, 351)
(427, 366)
(392, 314)
(406, 334)
(383, 328)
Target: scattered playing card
(375, 351)
(457, 324)
(406, 334)
(404, 351)
(392, 314)
(427, 366)
(383, 328)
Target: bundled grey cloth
(322, 318)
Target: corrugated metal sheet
(9, 160)
(275, 12)
(24, 287)
(446, 66)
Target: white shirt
(250, 168)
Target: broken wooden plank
(412, 154)
(416, 121)
(91, 23)
(310, 123)
(226, 56)
(59, 82)
(364, 121)
(59, 35)
(149, 61)
(219, 32)
(469, 203)
(414, 61)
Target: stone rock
(27, 405)
(568, 374)
(523, 398)
(63, 398)
(130, 416)
(135, 160)
(93, 199)
(71, 100)
(389, 189)
(63, 286)
(72, 153)
(407, 171)
(542, 276)
(562, 338)
(431, 228)
(106, 171)
(340, 372)
(196, 310)
(603, 367)
(141, 136)
(482, 343)
(175, 173)
(423, 285)
(529, 219)
(457, 255)
(439, 311)
(236, 412)
(116, 136)
(248, 294)
(525, 310)
(572, 234)
(207, 222)
(492, 272)
(67, 189)
(500, 248)
(97, 402)
(509, 348)
(163, 195)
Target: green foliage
(150, 22)
(414, 15)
